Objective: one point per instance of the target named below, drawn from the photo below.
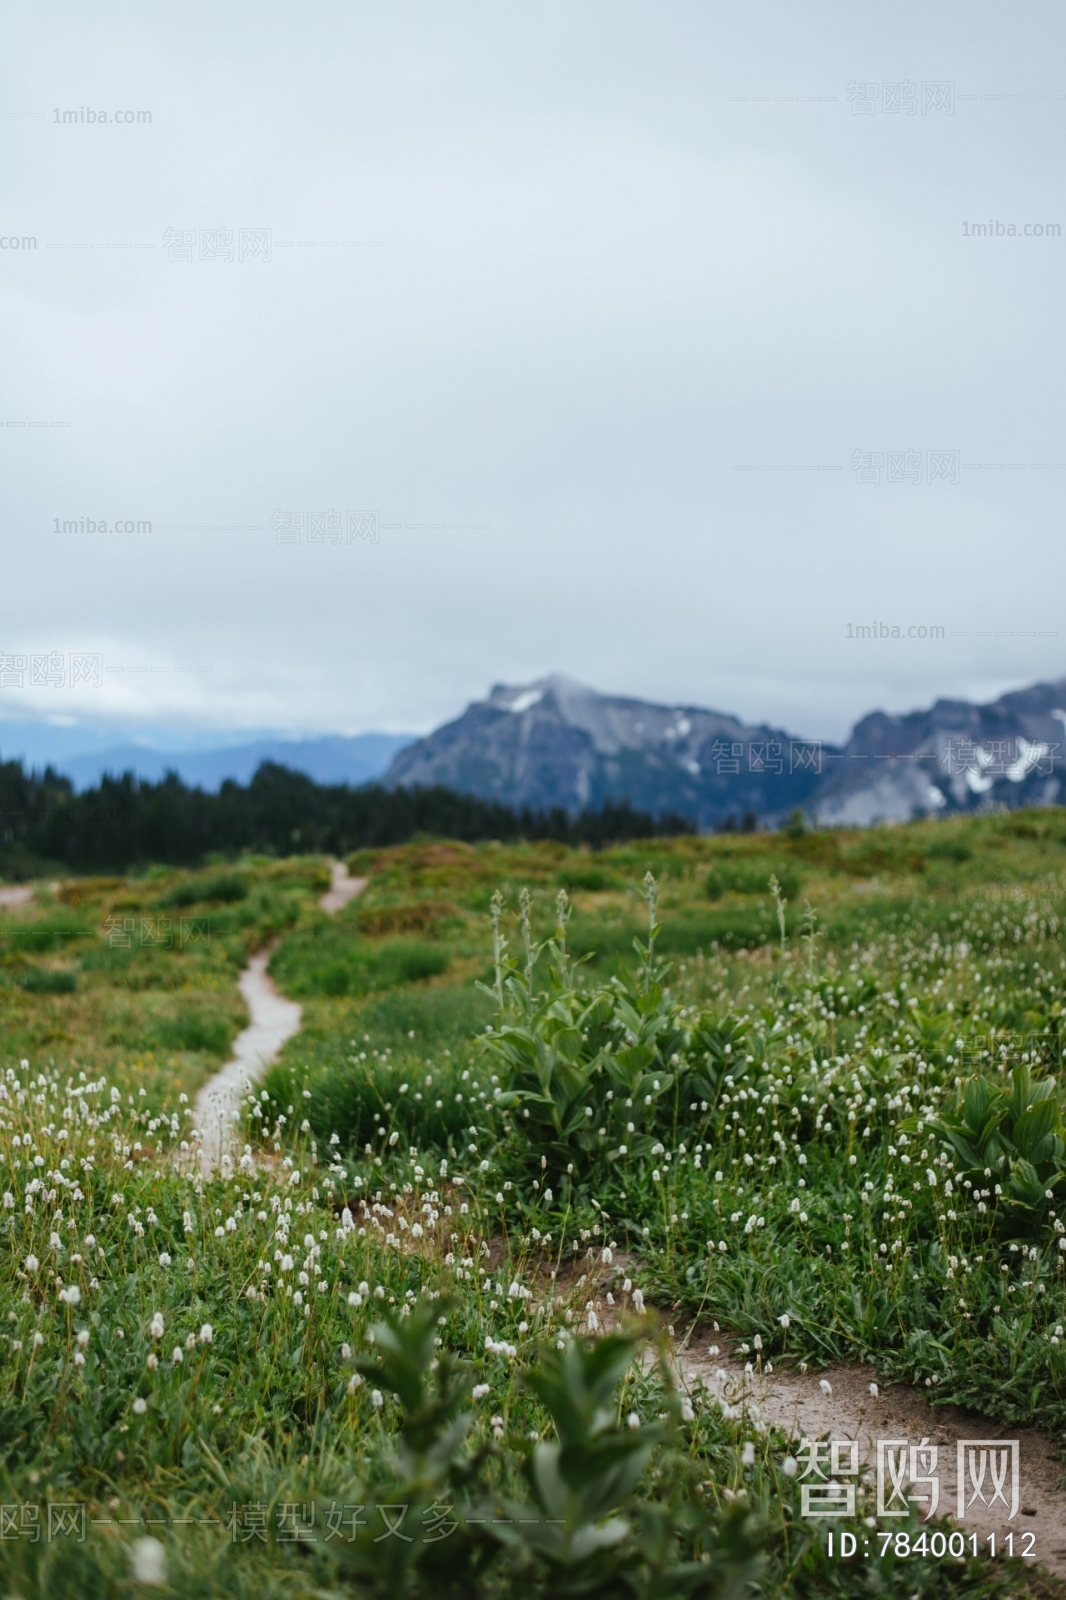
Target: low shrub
(225, 888)
(359, 969)
(48, 980)
(193, 1028)
(594, 880)
(752, 876)
(411, 916)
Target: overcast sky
(586, 306)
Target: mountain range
(555, 742)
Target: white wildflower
(149, 1562)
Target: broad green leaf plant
(1010, 1141)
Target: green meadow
(549, 1110)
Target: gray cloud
(574, 298)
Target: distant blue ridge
(334, 758)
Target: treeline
(125, 822)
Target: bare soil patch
(799, 1403)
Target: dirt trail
(20, 894)
(837, 1403)
(799, 1404)
(16, 895)
(342, 889)
(274, 1020)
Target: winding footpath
(274, 1021)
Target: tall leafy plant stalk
(585, 1071)
(499, 945)
(526, 917)
(649, 971)
(810, 937)
(780, 904)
